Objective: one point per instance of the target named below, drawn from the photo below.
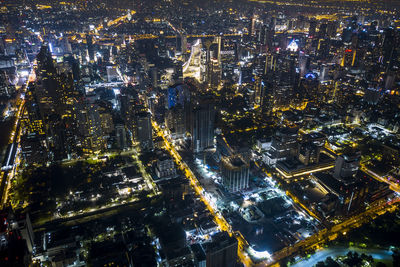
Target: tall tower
(202, 125)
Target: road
(321, 255)
(93, 215)
(9, 167)
(318, 239)
(394, 186)
(218, 218)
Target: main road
(218, 218)
(9, 166)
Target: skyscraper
(346, 166)
(144, 128)
(202, 125)
(235, 173)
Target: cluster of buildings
(242, 93)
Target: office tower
(332, 29)
(107, 124)
(144, 134)
(266, 96)
(346, 35)
(222, 251)
(90, 47)
(177, 95)
(214, 73)
(372, 95)
(346, 166)
(112, 73)
(309, 148)
(389, 46)
(322, 30)
(181, 43)
(16, 238)
(46, 87)
(121, 136)
(283, 146)
(312, 29)
(33, 121)
(235, 173)
(74, 65)
(349, 57)
(252, 26)
(89, 128)
(165, 167)
(199, 255)
(202, 124)
(303, 58)
(175, 120)
(177, 76)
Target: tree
(329, 262)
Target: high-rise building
(202, 125)
(144, 134)
(89, 128)
(121, 136)
(332, 29)
(346, 166)
(235, 173)
(313, 28)
(46, 87)
(283, 146)
(165, 167)
(89, 43)
(222, 251)
(309, 148)
(175, 121)
(372, 95)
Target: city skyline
(199, 133)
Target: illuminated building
(89, 128)
(175, 120)
(112, 74)
(346, 166)
(349, 57)
(181, 43)
(284, 145)
(310, 147)
(235, 173)
(165, 167)
(331, 29)
(293, 46)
